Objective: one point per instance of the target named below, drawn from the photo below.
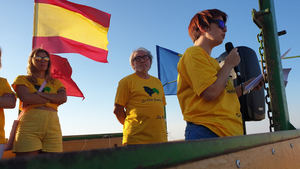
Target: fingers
(233, 58)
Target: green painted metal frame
(274, 68)
(91, 136)
(148, 156)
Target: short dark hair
(202, 20)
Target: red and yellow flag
(61, 26)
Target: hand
(233, 58)
(261, 84)
(258, 87)
(248, 81)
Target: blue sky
(136, 24)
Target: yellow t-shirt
(197, 71)
(51, 87)
(144, 102)
(4, 88)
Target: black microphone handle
(228, 48)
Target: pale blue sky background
(136, 23)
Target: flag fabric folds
(167, 69)
(61, 26)
(61, 69)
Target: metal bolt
(273, 151)
(292, 145)
(238, 163)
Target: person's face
(216, 31)
(141, 62)
(41, 61)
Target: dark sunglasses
(220, 23)
(39, 58)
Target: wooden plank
(90, 144)
(78, 143)
(285, 154)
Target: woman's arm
(29, 98)
(8, 100)
(59, 98)
(214, 90)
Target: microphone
(229, 47)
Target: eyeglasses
(220, 23)
(141, 58)
(39, 58)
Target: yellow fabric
(49, 88)
(4, 88)
(53, 20)
(38, 130)
(144, 101)
(197, 71)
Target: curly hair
(202, 20)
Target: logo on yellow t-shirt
(229, 86)
(150, 91)
(46, 89)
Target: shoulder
(196, 55)
(127, 78)
(155, 79)
(2, 80)
(194, 51)
(21, 78)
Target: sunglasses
(39, 58)
(140, 58)
(220, 23)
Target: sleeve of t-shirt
(21, 80)
(4, 87)
(200, 71)
(122, 94)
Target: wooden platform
(84, 143)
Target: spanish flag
(61, 26)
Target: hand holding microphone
(233, 57)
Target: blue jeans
(194, 132)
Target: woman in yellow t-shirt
(7, 100)
(40, 95)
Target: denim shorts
(194, 132)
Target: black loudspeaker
(252, 104)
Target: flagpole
(35, 23)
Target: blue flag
(167, 69)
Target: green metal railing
(148, 156)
